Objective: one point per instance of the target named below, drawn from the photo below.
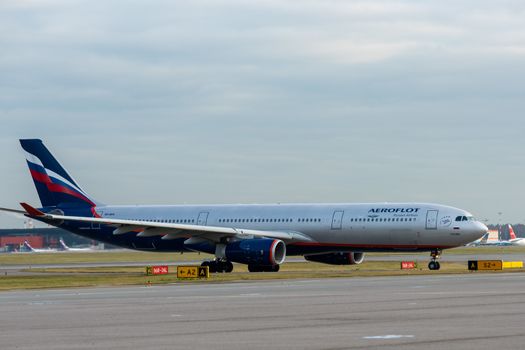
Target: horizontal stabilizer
(32, 211)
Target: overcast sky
(168, 102)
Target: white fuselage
(371, 226)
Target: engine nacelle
(259, 251)
(338, 258)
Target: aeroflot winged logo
(393, 210)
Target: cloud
(248, 101)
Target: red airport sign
(408, 265)
(157, 270)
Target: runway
(473, 311)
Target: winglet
(31, 211)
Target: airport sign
(476, 265)
(193, 272)
(157, 270)
(408, 265)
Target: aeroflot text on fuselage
(393, 210)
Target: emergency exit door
(337, 220)
(203, 218)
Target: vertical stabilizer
(28, 246)
(53, 183)
(511, 232)
(63, 244)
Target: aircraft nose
(480, 229)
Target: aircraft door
(203, 218)
(432, 216)
(337, 220)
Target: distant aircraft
(492, 239)
(477, 242)
(513, 239)
(66, 248)
(36, 250)
(257, 235)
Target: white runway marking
(388, 336)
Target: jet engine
(259, 251)
(338, 258)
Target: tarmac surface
(470, 311)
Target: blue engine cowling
(259, 251)
(338, 258)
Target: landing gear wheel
(254, 268)
(229, 266)
(218, 266)
(434, 264)
(212, 266)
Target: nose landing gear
(435, 254)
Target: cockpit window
(465, 218)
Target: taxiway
(472, 311)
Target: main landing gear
(435, 254)
(218, 266)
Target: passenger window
(465, 218)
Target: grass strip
(118, 276)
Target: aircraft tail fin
(63, 244)
(53, 183)
(28, 246)
(511, 232)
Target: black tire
(432, 265)
(254, 268)
(438, 265)
(275, 268)
(213, 266)
(229, 267)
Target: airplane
(66, 248)
(492, 239)
(258, 235)
(36, 250)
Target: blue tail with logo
(55, 187)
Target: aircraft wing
(170, 230)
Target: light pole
(499, 225)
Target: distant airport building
(13, 239)
(493, 236)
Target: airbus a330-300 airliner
(260, 236)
